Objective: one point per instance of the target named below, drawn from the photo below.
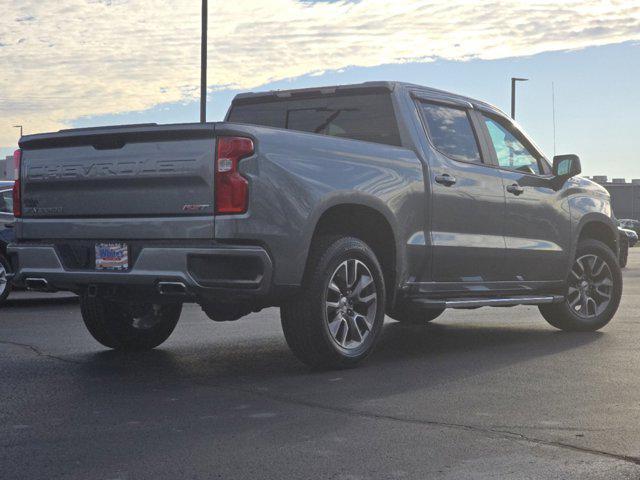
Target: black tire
(410, 315)
(305, 318)
(624, 252)
(5, 285)
(129, 327)
(564, 317)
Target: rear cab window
(368, 117)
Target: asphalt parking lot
(489, 393)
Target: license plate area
(112, 256)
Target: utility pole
(553, 107)
(203, 64)
(20, 127)
(513, 94)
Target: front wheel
(129, 326)
(594, 288)
(337, 318)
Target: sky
(79, 63)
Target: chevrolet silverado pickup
(337, 204)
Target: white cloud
(60, 60)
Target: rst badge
(195, 208)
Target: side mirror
(566, 166)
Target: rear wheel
(594, 288)
(5, 286)
(129, 327)
(336, 320)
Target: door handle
(445, 179)
(515, 189)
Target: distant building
(625, 196)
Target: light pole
(20, 127)
(513, 94)
(203, 64)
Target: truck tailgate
(142, 172)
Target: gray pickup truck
(337, 204)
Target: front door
(467, 203)
(537, 221)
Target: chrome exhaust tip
(172, 288)
(37, 284)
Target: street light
(20, 127)
(513, 94)
(203, 64)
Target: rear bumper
(212, 273)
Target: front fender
(590, 207)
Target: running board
(486, 302)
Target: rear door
(467, 201)
(537, 222)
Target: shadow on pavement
(407, 359)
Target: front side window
(511, 153)
(451, 132)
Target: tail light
(231, 188)
(17, 197)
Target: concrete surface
(482, 394)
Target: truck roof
(254, 97)
(250, 97)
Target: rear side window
(451, 132)
(367, 117)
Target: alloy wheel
(351, 301)
(590, 286)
